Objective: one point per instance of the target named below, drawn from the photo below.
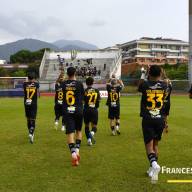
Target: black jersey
(113, 95)
(155, 101)
(58, 94)
(190, 90)
(73, 94)
(91, 98)
(30, 92)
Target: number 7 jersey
(155, 101)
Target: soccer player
(155, 106)
(73, 94)
(31, 90)
(113, 101)
(190, 92)
(91, 99)
(59, 102)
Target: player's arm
(190, 93)
(142, 79)
(120, 82)
(98, 98)
(167, 103)
(82, 90)
(38, 90)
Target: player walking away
(190, 92)
(59, 102)
(31, 88)
(155, 106)
(113, 101)
(91, 99)
(73, 94)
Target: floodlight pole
(190, 42)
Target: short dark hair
(71, 71)
(113, 81)
(155, 71)
(89, 81)
(31, 76)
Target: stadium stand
(99, 64)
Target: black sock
(28, 124)
(63, 122)
(87, 132)
(94, 129)
(78, 143)
(32, 127)
(72, 147)
(112, 128)
(152, 158)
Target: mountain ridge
(8, 49)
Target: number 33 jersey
(155, 101)
(30, 93)
(73, 94)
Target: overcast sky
(101, 22)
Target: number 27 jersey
(155, 99)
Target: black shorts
(31, 111)
(58, 110)
(73, 122)
(152, 129)
(114, 112)
(90, 116)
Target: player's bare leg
(155, 148)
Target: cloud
(98, 23)
(27, 24)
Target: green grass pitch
(115, 163)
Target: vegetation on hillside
(174, 72)
(32, 59)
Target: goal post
(11, 86)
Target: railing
(42, 64)
(116, 64)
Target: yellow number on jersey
(92, 98)
(60, 95)
(30, 92)
(70, 98)
(151, 98)
(114, 97)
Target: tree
(3, 72)
(23, 56)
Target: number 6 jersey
(73, 94)
(30, 92)
(155, 101)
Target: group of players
(71, 95)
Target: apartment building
(155, 51)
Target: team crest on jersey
(156, 86)
(155, 113)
